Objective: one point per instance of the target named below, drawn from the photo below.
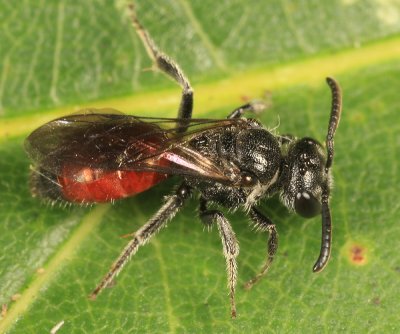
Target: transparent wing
(109, 140)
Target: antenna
(336, 111)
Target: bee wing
(110, 141)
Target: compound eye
(306, 205)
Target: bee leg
(142, 236)
(255, 106)
(169, 67)
(263, 223)
(230, 246)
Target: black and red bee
(104, 155)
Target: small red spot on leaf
(357, 255)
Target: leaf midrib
(60, 258)
(217, 94)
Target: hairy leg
(143, 235)
(263, 223)
(169, 67)
(229, 244)
(255, 106)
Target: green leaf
(57, 57)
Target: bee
(101, 155)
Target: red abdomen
(90, 185)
